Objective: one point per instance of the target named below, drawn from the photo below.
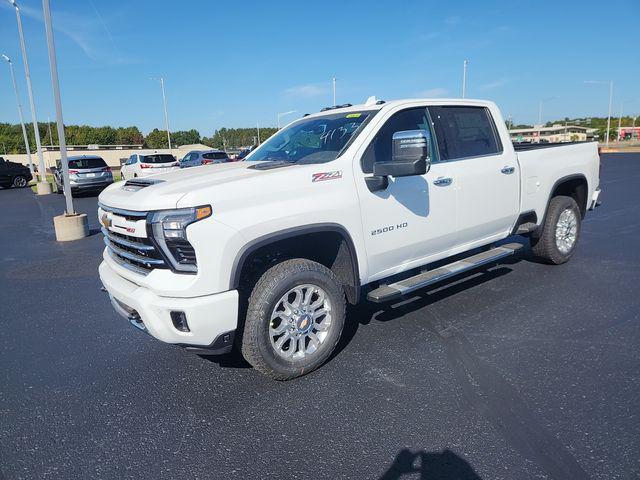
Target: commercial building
(554, 134)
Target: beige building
(554, 134)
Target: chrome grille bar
(126, 243)
(146, 261)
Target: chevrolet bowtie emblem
(106, 221)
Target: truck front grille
(138, 254)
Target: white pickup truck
(349, 202)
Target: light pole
(258, 128)
(43, 187)
(610, 82)
(333, 81)
(283, 114)
(24, 130)
(69, 226)
(465, 64)
(166, 115)
(619, 123)
(56, 96)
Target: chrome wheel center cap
(304, 323)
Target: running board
(389, 292)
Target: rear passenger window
(463, 132)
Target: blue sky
(231, 63)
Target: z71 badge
(322, 176)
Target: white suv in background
(145, 164)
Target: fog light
(179, 320)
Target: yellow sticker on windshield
(353, 115)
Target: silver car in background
(87, 173)
(195, 158)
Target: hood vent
(138, 183)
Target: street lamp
(610, 82)
(283, 114)
(69, 226)
(166, 115)
(43, 187)
(333, 82)
(24, 130)
(465, 64)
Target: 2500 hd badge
(390, 228)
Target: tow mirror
(410, 155)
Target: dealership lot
(519, 371)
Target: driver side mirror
(410, 155)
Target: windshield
(158, 158)
(87, 163)
(313, 140)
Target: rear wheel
(20, 181)
(294, 320)
(560, 232)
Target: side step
(389, 292)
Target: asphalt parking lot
(520, 371)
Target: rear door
(487, 179)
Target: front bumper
(212, 319)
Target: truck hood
(165, 190)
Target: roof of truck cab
(407, 101)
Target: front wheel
(294, 320)
(560, 232)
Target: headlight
(168, 229)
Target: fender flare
(284, 234)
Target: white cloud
(307, 91)
(433, 93)
(495, 84)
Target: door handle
(442, 181)
(508, 170)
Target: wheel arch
(574, 186)
(338, 253)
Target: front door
(413, 220)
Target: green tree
(156, 139)
(185, 137)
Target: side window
(134, 159)
(379, 150)
(464, 132)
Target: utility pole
(43, 186)
(258, 128)
(464, 78)
(24, 130)
(540, 113)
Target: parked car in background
(196, 158)
(13, 174)
(87, 173)
(144, 164)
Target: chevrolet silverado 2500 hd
(351, 201)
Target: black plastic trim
(290, 233)
(560, 181)
(222, 344)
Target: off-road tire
(255, 343)
(544, 244)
